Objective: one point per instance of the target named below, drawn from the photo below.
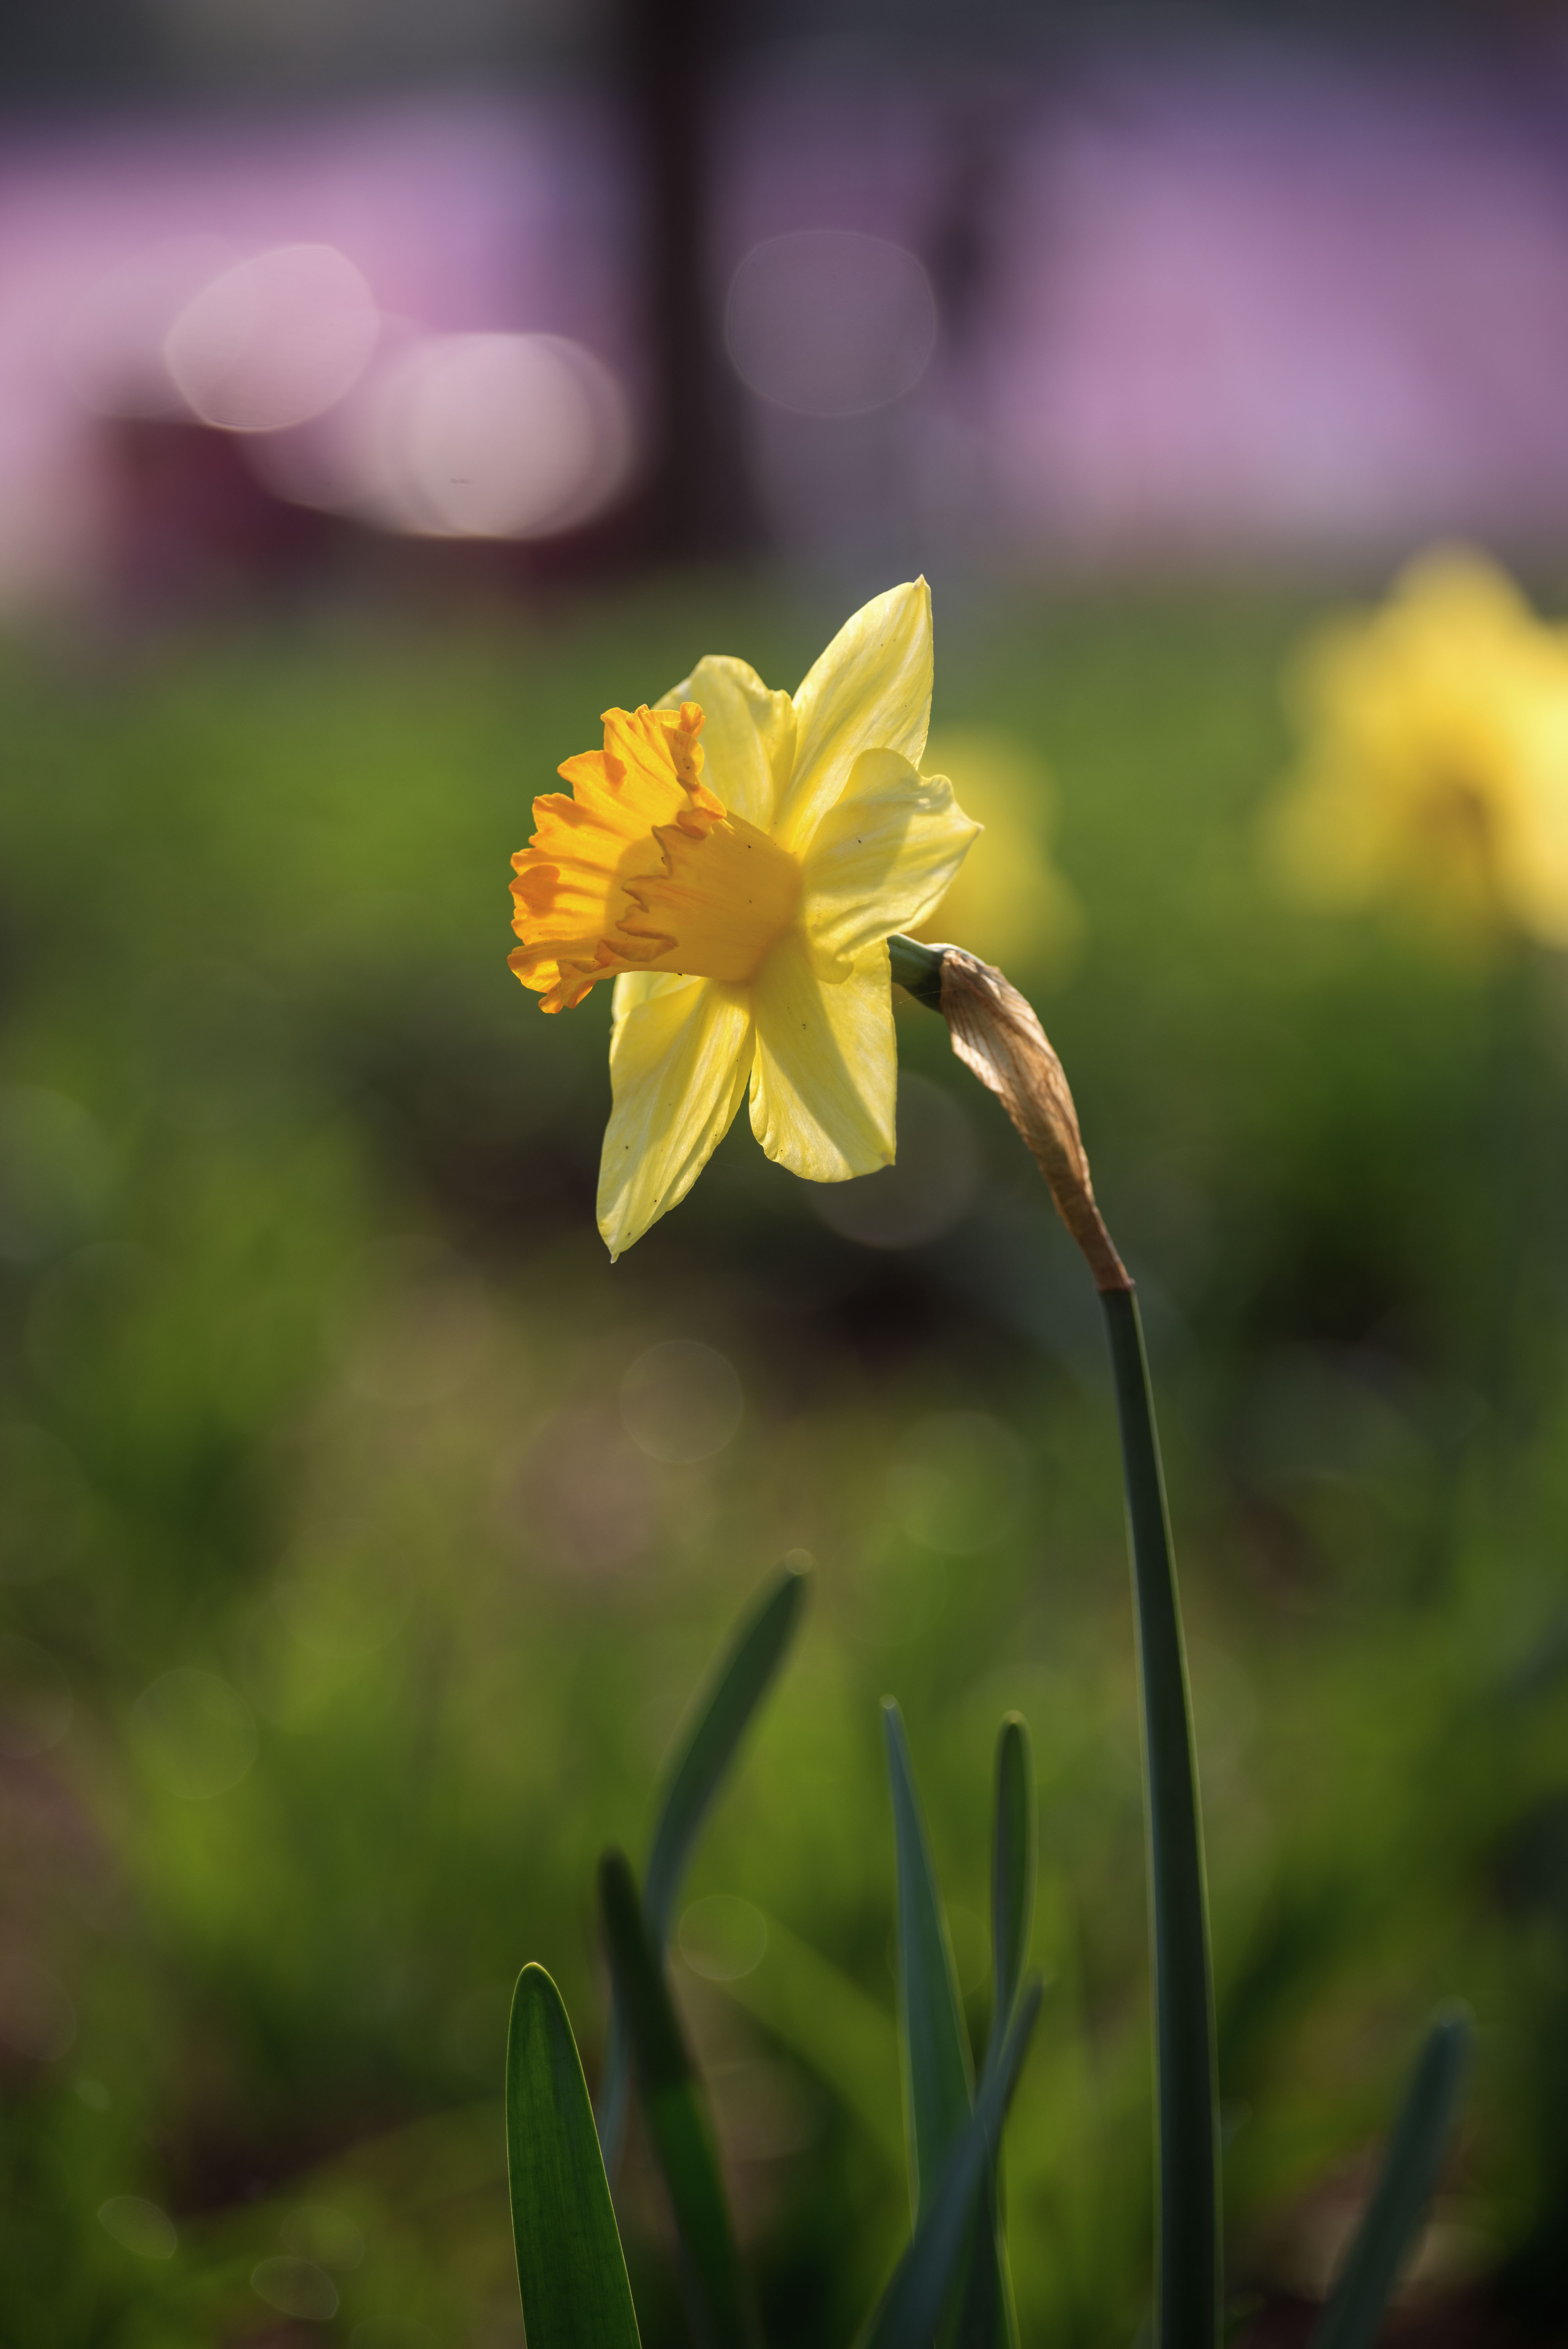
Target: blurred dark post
(697, 500)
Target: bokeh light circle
(723, 1938)
(199, 1733)
(139, 2225)
(275, 339)
(680, 1401)
(829, 322)
(466, 436)
(958, 1482)
(931, 1185)
(296, 2287)
(504, 436)
(321, 2232)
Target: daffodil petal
(883, 857)
(679, 1058)
(748, 736)
(870, 690)
(1532, 855)
(825, 1083)
(631, 988)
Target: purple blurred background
(1155, 301)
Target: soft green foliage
(317, 1365)
(573, 2276)
(953, 2277)
(951, 2284)
(1420, 2140)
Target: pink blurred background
(1209, 303)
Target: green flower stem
(997, 1035)
(917, 969)
(1188, 2225)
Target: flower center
(729, 893)
(643, 868)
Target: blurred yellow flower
(737, 860)
(1008, 903)
(1434, 765)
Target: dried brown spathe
(995, 1033)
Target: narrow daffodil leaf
(569, 2262)
(1187, 2245)
(1357, 2303)
(719, 1717)
(938, 2077)
(1013, 1864)
(988, 2314)
(675, 2116)
(738, 1686)
(939, 2080)
(910, 2309)
(987, 2318)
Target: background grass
(311, 1384)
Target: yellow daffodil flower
(1435, 759)
(736, 860)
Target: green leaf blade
(939, 2080)
(939, 2085)
(570, 2270)
(1015, 1847)
(989, 2320)
(676, 2119)
(1416, 2150)
(719, 1718)
(912, 2307)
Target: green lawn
(311, 1374)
